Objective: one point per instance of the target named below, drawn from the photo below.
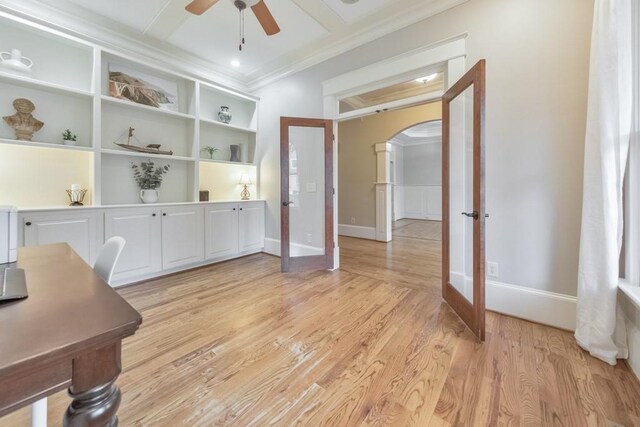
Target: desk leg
(95, 396)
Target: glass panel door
(463, 244)
(307, 193)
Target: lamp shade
(244, 179)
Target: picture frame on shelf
(142, 88)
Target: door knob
(287, 203)
(474, 214)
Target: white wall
(537, 65)
(423, 164)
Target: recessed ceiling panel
(215, 35)
(136, 14)
(355, 11)
(391, 93)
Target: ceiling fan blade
(265, 18)
(198, 7)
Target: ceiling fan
(258, 7)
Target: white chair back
(107, 258)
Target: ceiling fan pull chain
(242, 25)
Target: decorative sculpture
(23, 123)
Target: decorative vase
(235, 153)
(224, 115)
(14, 61)
(149, 196)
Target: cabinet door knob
(234, 209)
(153, 214)
(27, 223)
(240, 208)
(164, 214)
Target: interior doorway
(416, 177)
(373, 191)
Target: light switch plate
(311, 187)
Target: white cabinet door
(141, 228)
(78, 229)
(221, 230)
(251, 226)
(182, 236)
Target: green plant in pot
(149, 177)
(209, 150)
(69, 138)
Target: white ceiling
(311, 30)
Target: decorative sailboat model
(149, 148)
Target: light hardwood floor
(239, 344)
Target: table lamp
(245, 181)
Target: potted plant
(210, 150)
(69, 138)
(148, 176)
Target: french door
(306, 194)
(463, 198)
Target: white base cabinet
(182, 236)
(160, 239)
(79, 229)
(251, 228)
(141, 228)
(221, 230)
(234, 229)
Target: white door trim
(446, 55)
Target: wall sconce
(245, 181)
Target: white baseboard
(272, 247)
(357, 231)
(547, 308)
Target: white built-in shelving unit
(69, 86)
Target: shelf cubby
(156, 78)
(57, 111)
(119, 187)
(243, 109)
(171, 132)
(57, 61)
(222, 138)
(33, 175)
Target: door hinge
(334, 191)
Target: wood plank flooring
(373, 344)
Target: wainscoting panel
(419, 202)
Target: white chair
(107, 258)
(104, 266)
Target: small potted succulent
(210, 150)
(69, 138)
(148, 176)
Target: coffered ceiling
(311, 30)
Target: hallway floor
(241, 344)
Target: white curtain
(599, 328)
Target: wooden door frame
(472, 314)
(316, 261)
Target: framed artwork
(141, 88)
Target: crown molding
(70, 19)
(345, 40)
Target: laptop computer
(13, 284)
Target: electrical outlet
(309, 238)
(492, 269)
(353, 220)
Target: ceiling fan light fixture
(235, 63)
(427, 79)
(349, 1)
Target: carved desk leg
(95, 396)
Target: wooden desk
(66, 334)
